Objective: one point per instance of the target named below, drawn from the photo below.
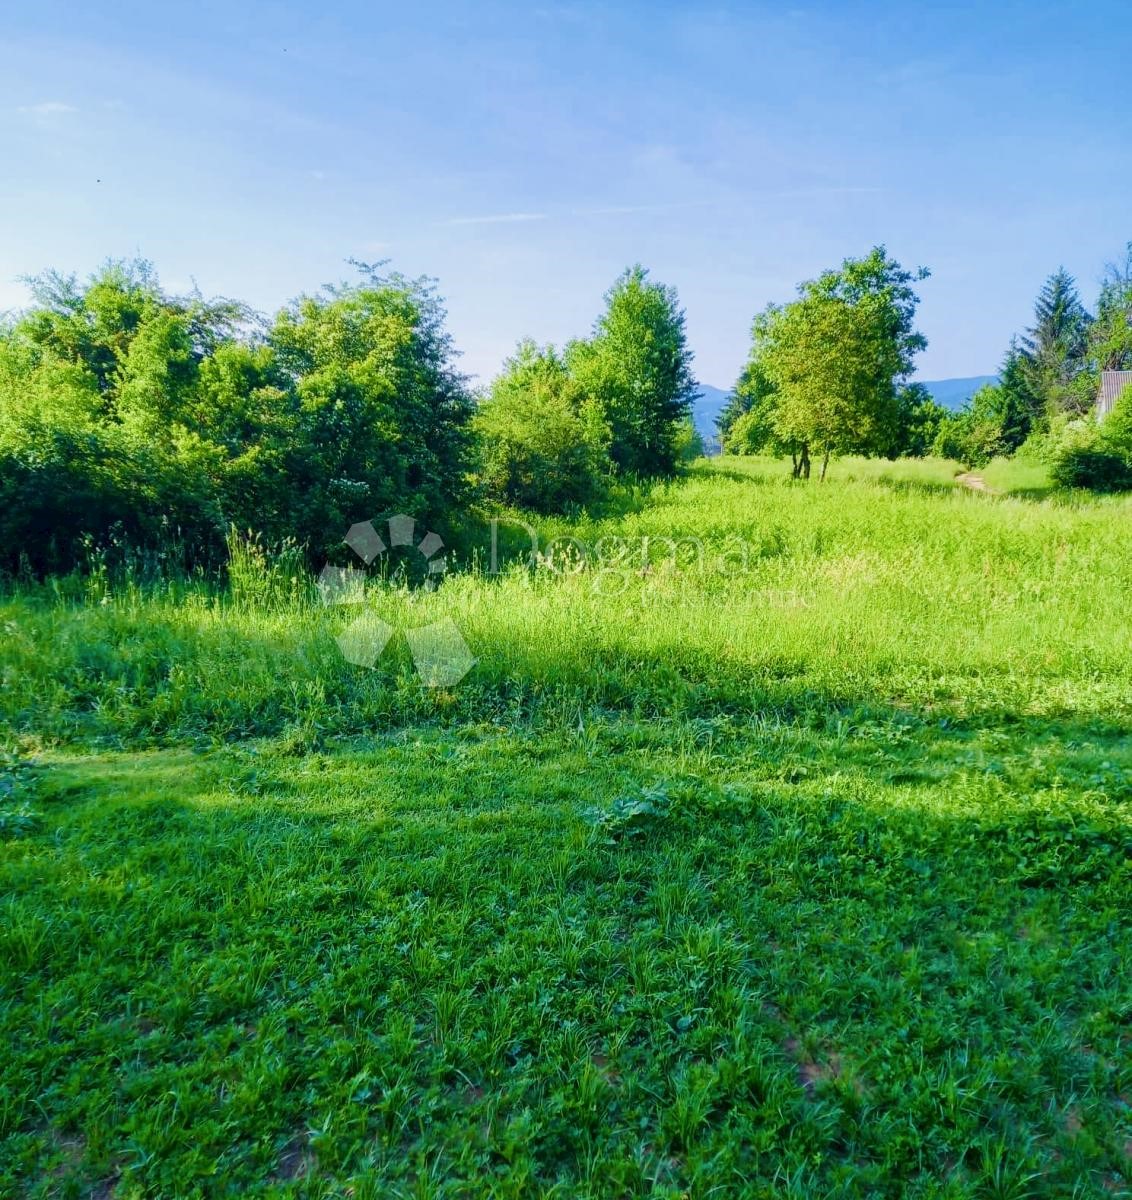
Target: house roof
(1112, 384)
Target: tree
(1110, 336)
(638, 368)
(746, 424)
(135, 417)
(1055, 349)
(542, 443)
(1116, 428)
(918, 421)
(833, 360)
(383, 418)
(1020, 410)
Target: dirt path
(970, 480)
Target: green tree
(1110, 336)
(543, 443)
(134, 417)
(835, 358)
(383, 418)
(918, 421)
(1021, 410)
(637, 366)
(93, 383)
(746, 424)
(1116, 428)
(1056, 348)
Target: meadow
(777, 844)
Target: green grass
(1018, 477)
(806, 880)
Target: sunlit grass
(1018, 476)
(808, 878)
(755, 593)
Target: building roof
(1112, 384)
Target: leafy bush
(1092, 466)
(1082, 454)
(543, 443)
(968, 438)
(133, 417)
(1116, 429)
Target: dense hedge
(133, 417)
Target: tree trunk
(805, 462)
(797, 466)
(824, 467)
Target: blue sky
(524, 154)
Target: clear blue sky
(524, 154)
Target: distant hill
(954, 393)
(705, 409)
(950, 393)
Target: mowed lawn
(807, 877)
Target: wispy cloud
(47, 108)
(622, 210)
(611, 210)
(618, 210)
(498, 219)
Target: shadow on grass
(1032, 493)
(916, 487)
(389, 956)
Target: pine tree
(1055, 349)
(1021, 409)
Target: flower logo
(440, 654)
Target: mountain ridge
(949, 393)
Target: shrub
(1116, 429)
(128, 416)
(1084, 459)
(543, 444)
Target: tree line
(135, 419)
(830, 371)
(1044, 403)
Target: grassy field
(788, 857)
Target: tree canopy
(133, 416)
(543, 443)
(826, 369)
(637, 366)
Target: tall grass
(780, 599)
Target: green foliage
(382, 418)
(746, 424)
(809, 879)
(1019, 409)
(1116, 428)
(134, 418)
(543, 442)
(1110, 335)
(918, 422)
(688, 444)
(997, 420)
(1056, 348)
(637, 367)
(1081, 454)
(1091, 465)
(827, 366)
